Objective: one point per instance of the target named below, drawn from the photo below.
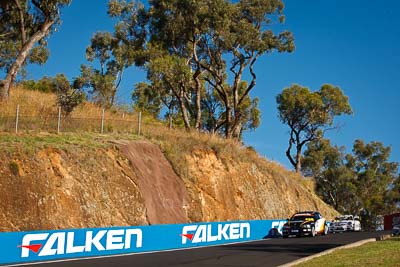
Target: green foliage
(68, 98)
(335, 183)
(101, 86)
(114, 55)
(364, 182)
(188, 46)
(46, 85)
(23, 27)
(14, 168)
(146, 99)
(376, 175)
(308, 114)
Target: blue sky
(350, 44)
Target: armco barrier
(19, 247)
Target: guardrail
(22, 247)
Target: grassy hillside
(76, 179)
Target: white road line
(124, 255)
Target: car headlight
(306, 226)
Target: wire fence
(57, 122)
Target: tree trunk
(228, 122)
(198, 100)
(196, 79)
(23, 54)
(298, 159)
(184, 110)
(237, 130)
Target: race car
(304, 223)
(345, 223)
(396, 230)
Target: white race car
(345, 223)
(396, 230)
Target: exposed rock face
(53, 189)
(239, 190)
(132, 183)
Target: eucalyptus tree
(308, 115)
(376, 176)
(238, 35)
(364, 182)
(113, 57)
(147, 99)
(216, 41)
(24, 24)
(335, 183)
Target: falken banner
(19, 247)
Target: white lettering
(70, 244)
(26, 241)
(210, 237)
(222, 231)
(49, 250)
(204, 233)
(234, 231)
(200, 235)
(114, 239)
(139, 238)
(186, 229)
(278, 225)
(90, 240)
(64, 242)
(247, 227)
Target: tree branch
(253, 81)
(22, 21)
(288, 155)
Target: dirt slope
(163, 191)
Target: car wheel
(325, 230)
(313, 233)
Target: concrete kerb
(329, 251)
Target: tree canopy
(309, 114)
(199, 51)
(23, 28)
(364, 182)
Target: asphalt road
(270, 252)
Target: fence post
(102, 121)
(59, 120)
(139, 122)
(16, 119)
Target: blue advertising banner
(19, 247)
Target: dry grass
(32, 103)
(39, 112)
(35, 103)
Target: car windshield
(342, 218)
(302, 218)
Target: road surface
(270, 252)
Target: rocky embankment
(133, 183)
